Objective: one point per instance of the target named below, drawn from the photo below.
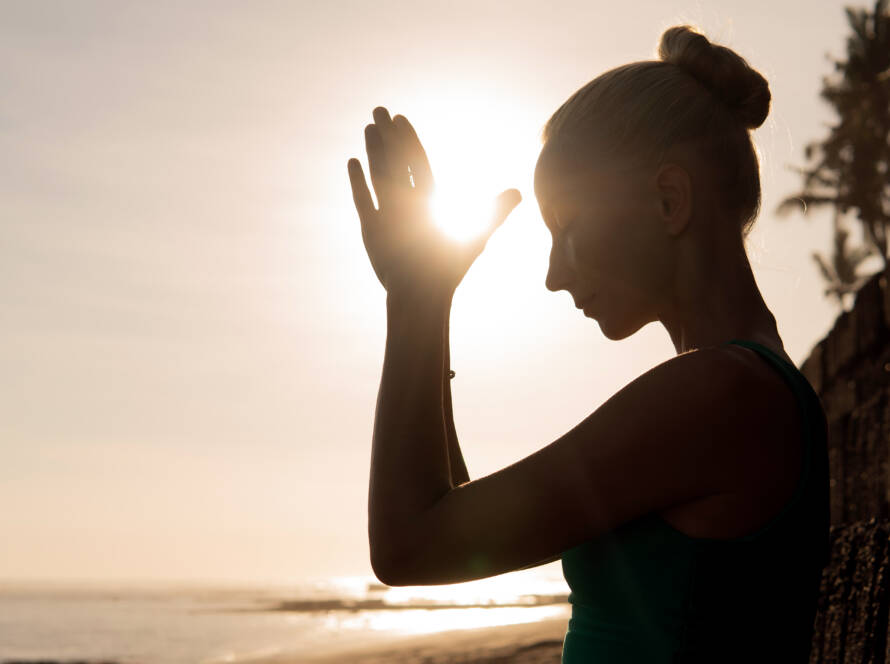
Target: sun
(461, 210)
(477, 148)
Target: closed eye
(560, 223)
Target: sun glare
(481, 143)
(461, 210)
(477, 149)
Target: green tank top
(648, 593)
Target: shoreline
(312, 605)
(525, 643)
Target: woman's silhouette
(690, 510)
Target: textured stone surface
(850, 370)
(869, 315)
(885, 286)
(841, 343)
(852, 616)
(839, 398)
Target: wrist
(413, 302)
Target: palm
(406, 249)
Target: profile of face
(609, 250)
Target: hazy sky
(191, 334)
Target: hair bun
(721, 70)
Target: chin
(616, 330)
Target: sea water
(210, 624)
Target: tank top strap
(792, 375)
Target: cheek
(596, 253)
(620, 265)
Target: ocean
(209, 624)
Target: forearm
(409, 456)
(459, 474)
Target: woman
(691, 509)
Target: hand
(407, 251)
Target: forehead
(560, 178)
(555, 175)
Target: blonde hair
(697, 92)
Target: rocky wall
(850, 369)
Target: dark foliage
(849, 168)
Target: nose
(559, 275)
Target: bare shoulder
(731, 377)
(697, 425)
(725, 405)
(771, 385)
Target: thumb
(503, 206)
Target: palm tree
(850, 168)
(840, 272)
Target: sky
(191, 334)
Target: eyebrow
(566, 185)
(564, 197)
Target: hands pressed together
(410, 255)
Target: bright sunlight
(463, 210)
(476, 151)
(478, 146)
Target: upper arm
(683, 430)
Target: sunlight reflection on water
(425, 621)
(519, 597)
(209, 624)
(514, 588)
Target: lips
(580, 304)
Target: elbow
(387, 569)
(400, 554)
(394, 562)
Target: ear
(674, 188)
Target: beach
(528, 643)
(516, 617)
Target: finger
(382, 119)
(379, 166)
(394, 146)
(417, 159)
(361, 196)
(503, 206)
(386, 129)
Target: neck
(714, 298)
